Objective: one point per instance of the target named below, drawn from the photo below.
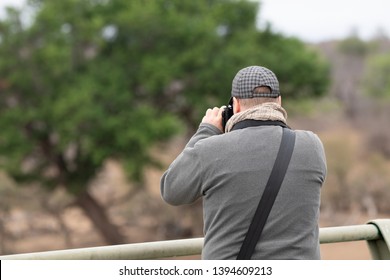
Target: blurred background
(97, 97)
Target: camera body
(227, 113)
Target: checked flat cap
(249, 78)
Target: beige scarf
(264, 112)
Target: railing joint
(380, 248)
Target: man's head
(254, 85)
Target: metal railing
(376, 233)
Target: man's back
(233, 187)
(234, 170)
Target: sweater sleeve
(181, 183)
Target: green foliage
(92, 80)
(353, 45)
(376, 82)
(312, 107)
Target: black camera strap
(270, 192)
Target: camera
(227, 113)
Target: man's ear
(236, 105)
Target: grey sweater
(230, 172)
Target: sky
(322, 20)
(315, 20)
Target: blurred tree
(85, 81)
(376, 86)
(354, 46)
(348, 72)
(376, 81)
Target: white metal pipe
(182, 247)
(137, 251)
(348, 233)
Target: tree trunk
(97, 214)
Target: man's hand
(214, 117)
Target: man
(230, 171)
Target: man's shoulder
(307, 134)
(307, 138)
